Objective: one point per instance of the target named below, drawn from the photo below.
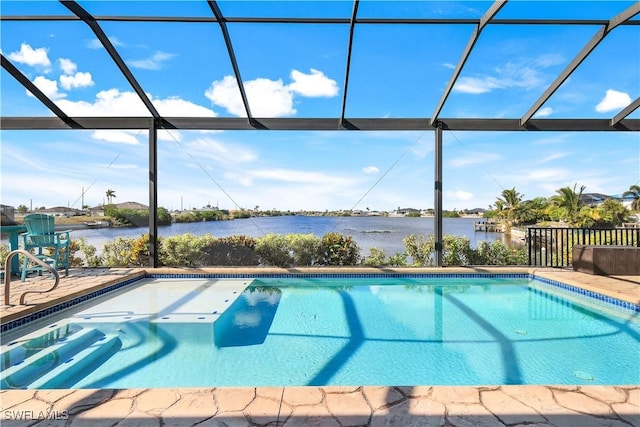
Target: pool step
(23, 373)
(15, 353)
(85, 361)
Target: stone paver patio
(420, 405)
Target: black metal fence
(552, 247)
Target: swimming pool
(277, 331)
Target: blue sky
(298, 71)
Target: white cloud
(458, 195)
(525, 73)
(315, 84)
(112, 102)
(270, 98)
(77, 80)
(370, 169)
(267, 98)
(449, 65)
(67, 66)
(612, 101)
(544, 112)
(297, 177)
(117, 136)
(176, 107)
(552, 157)
(155, 62)
(95, 43)
(48, 87)
(475, 158)
(224, 153)
(476, 85)
(33, 57)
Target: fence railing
(552, 247)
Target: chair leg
(23, 273)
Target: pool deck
(419, 405)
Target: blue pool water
(314, 331)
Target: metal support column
(437, 205)
(153, 192)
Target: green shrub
(273, 249)
(231, 251)
(4, 252)
(457, 250)
(184, 251)
(420, 249)
(118, 253)
(306, 249)
(378, 258)
(496, 253)
(87, 254)
(338, 249)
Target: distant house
(407, 211)
(99, 210)
(593, 199)
(475, 211)
(61, 211)
(596, 199)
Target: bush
(338, 249)
(378, 258)
(184, 251)
(118, 253)
(88, 253)
(458, 251)
(306, 249)
(497, 253)
(289, 250)
(420, 249)
(4, 253)
(272, 249)
(231, 251)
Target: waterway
(368, 232)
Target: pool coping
(419, 405)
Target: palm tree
(110, 195)
(509, 204)
(634, 191)
(570, 200)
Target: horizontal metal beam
(321, 124)
(294, 20)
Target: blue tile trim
(342, 276)
(66, 304)
(635, 308)
(607, 300)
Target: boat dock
(487, 227)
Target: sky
(299, 71)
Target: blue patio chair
(44, 242)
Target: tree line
(567, 206)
